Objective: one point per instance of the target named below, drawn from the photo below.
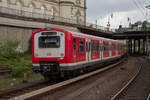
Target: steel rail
(130, 81)
(148, 98)
(58, 85)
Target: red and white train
(58, 52)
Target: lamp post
(108, 24)
(96, 23)
(147, 38)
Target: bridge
(137, 41)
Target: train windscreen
(49, 42)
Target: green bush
(19, 62)
(20, 67)
(9, 49)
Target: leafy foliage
(19, 62)
(9, 49)
(19, 67)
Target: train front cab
(48, 50)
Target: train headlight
(36, 54)
(61, 54)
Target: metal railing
(51, 18)
(139, 29)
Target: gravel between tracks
(21, 89)
(140, 87)
(97, 87)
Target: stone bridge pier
(138, 46)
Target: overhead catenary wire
(141, 11)
(140, 3)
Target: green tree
(144, 25)
(11, 57)
(9, 49)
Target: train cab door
(88, 51)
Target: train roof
(91, 36)
(74, 33)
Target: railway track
(5, 70)
(41, 91)
(138, 87)
(25, 88)
(148, 98)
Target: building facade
(74, 10)
(19, 18)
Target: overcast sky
(121, 9)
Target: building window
(78, 2)
(78, 15)
(4, 6)
(31, 10)
(52, 13)
(19, 7)
(78, 19)
(71, 12)
(4, 3)
(43, 10)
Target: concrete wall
(15, 33)
(16, 29)
(11, 29)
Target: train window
(105, 47)
(49, 42)
(81, 46)
(49, 33)
(118, 47)
(97, 47)
(101, 46)
(74, 43)
(93, 46)
(113, 47)
(110, 47)
(87, 47)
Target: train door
(113, 48)
(116, 49)
(105, 49)
(88, 50)
(110, 48)
(75, 49)
(101, 49)
(81, 52)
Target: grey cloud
(100, 8)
